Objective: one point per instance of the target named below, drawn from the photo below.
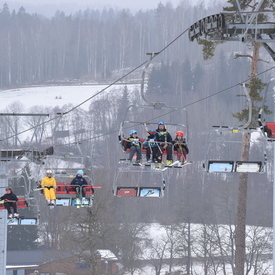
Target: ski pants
(181, 154)
(80, 189)
(135, 149)
(159, 151)
(49, 193)
(150, 150)
(8, 206)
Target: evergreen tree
(22, 237)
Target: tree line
(88, 45)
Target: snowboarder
(10, 200)
(49, 185)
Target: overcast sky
(48, 7)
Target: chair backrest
(22, 203)
(271, 129)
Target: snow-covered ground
(260, 237)
(51, 96)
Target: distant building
(51, 262)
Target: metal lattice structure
(229, 26)
(255, 26)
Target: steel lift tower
(7, 156)
(253, 26)
(237, 26)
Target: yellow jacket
(48, 182)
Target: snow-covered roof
(107, 254)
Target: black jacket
(10, 197)
(79, 181)
(181, 145)
(130, 141)
(163, 136)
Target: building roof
(34, 257)
(17, 258)
(107, 255)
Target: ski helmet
(180, 133)
(132, 132)
(80, 172)
(49, 172)
(161, 123)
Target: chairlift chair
(268, 128)
(66, 194)
(137, 183)
(23, 203)
(149, 116)
(223, 154)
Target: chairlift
(137, 183)
(224, 147)
(145, 117)
(23, 203)
(66, 194)
(268, 128)
(148, 118)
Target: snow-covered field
(51, 96)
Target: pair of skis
(175, 164)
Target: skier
(79, 182)
(164, 142)
(133, 142)
(181, 147)
(150, 144)
(49, 185)
(10, 200)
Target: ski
(173, 164)
(177, 164)
(161, 168)
(141, 164)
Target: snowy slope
(51, 96)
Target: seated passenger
(79, 182)
(49, 185)
(164, 142)
(134, 144)
(181, 147)
(10, 200)
(149, 145)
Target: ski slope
(52, 96)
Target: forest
(102, 47)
